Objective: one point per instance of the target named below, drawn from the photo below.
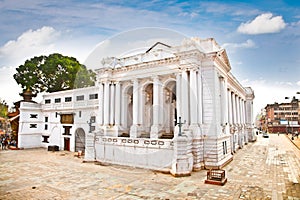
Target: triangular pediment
(223, 56)
(158, 45)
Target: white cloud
(188, 14)
(248, 44)
(132, 42)
(9, 88)
(298, 83)
(29, 44)
(264, 23)
(283, 83)
(232, 47)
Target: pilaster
(135, 128)
(182, 164)
(106, 110)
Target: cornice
(221, 63)
(140, 66)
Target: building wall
(215, 110)
(30, 125)
(49, 118)
(283, 117)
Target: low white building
(131, 117)
(61, 119)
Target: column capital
(135, 80)
(193, 69)
(155, 78)
(116, 82)
(106, 81)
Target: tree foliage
(3, 109)
(53, 73)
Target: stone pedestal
(111, 131)
(154, 132)
(89, 154)
(135, 131)
(182, 164)
(197, 147)
(27, 95)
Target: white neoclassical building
(136, 106)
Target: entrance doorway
(79, 140)
(67, 144)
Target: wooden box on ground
(216, 177)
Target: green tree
(53, 73)
(3, 109)
(30, 76)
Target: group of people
(5, 142)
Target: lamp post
(179, 126)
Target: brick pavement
(266, 169)
(295, 140)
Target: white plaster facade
(139, 101)
(44, 119)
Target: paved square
(266, 169)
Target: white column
(124, 108)
(178, 95)
(112, 104)
(185, 97)
(244, 108)
(155, 101)
(229, 107)
(242, 111)
(101, 97)
(200, 96)
(106, 103)
(234, 109)
(225, 103)
(193, 97)
(141, 105)
(135, 108)
(222, 100)
(238, 109)
(118, 104)
(160, 104)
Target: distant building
(132, 116)
(283, 117)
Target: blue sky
(262, 38)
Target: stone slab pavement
(266, 169)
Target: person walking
(3, 143)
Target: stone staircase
(124, 135)
(167, 136)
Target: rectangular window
(46, 119)
(93, 119)
(92, 128)
(80, 113)
(67, 130)
(66, 119)
(33, 126)
(57, 100)
(68, 99)
(33, 116)
(45, 139)
(80, 98)
(47, 101)
(46, 126)
(224, 148)
(93, 96)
